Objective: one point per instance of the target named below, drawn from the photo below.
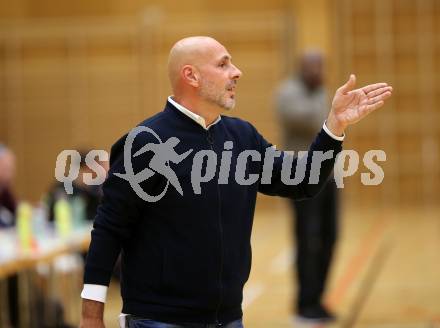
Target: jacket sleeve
(116, 216)
(314, 176)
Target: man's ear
(190, 75)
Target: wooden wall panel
(83, 8)
(74, 86)
(77, 81)
(3, 103)
(396, 41)
(67, 87)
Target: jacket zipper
(211, 143)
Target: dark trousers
(315, 231)
(13, 300)
(133, 322)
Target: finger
(372, 87)
(380, 97)
(379, 91)
(349, 85)
(370, 108)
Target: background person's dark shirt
(7, 208)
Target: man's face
(7, 169)
(312, 71)
(218, 77)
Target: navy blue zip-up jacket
(186, 258)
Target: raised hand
(351, 105)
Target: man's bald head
(202, 75)
(7, 166)
(193, 51)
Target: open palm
(351, 105)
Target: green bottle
(24, 226)
(63, 217)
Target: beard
(217, 96)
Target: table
(16, 261)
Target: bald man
(186, 255)
(302, 106)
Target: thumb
(349, 85)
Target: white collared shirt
(197, 118)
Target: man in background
(89, 194)
(7, 200)
(302, 106)
(8, 206)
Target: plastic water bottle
(24, 226)
(40, 224)
(78, 206)
(63, 218)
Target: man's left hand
(352, 105)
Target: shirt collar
(196, 118)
